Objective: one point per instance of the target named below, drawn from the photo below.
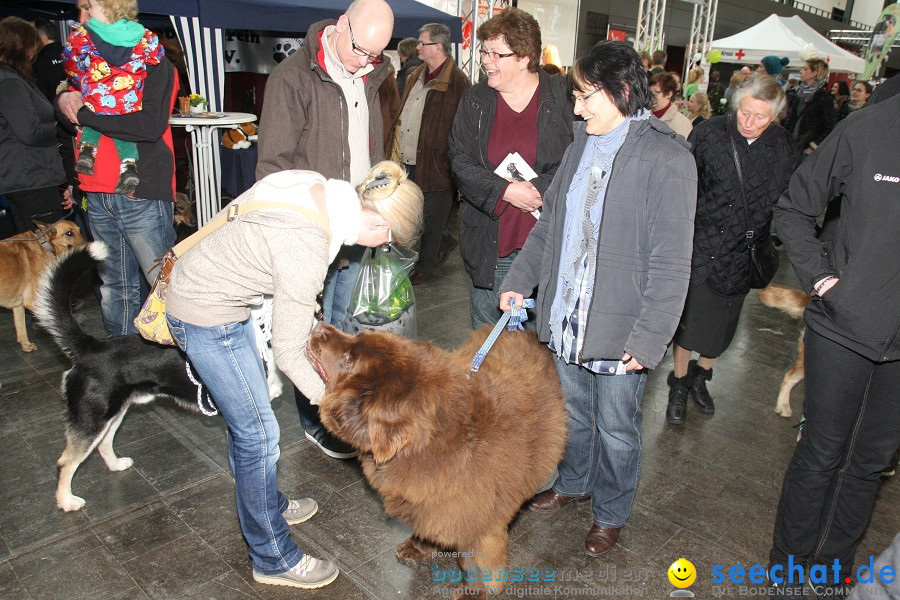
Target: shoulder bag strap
(737, 165)
(236, 210)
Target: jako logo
(891, 178)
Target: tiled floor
(166, 528)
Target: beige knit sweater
(271, 252)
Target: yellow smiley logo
(682, 573)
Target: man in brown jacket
(421, 134)
(323, 112)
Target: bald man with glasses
(323, 112)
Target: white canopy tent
(784, 36)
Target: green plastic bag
(383, 296)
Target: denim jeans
(226, 359)
(603, 454)
(136, 232)
(336, 297)
(852, 430)
(485, 307)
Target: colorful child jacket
(109, 89)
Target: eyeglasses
(494, 55)
(421, 43)
(359, 51)
(576, 98)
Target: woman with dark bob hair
(611, 259)
(728, 203)
(516, 106)
(31, 169)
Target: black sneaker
(329, 444)
(128, 179)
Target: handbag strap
(236, 210)
(748, 233)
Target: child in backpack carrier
(106, 60)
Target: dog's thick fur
(107, 376)
(22, 262)
(793, 302)
(453, 453)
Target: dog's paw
(70, 503)
(28, 346)
(412, 551)
(120, 464)
(783, 409)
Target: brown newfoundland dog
(453, 453)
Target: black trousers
(43, 204)
(852, 411)
(435, 238)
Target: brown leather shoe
(549, 500)
(600, 539)
(418, 277)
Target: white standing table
(207, 164)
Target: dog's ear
(386, 437)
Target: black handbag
(763, 255)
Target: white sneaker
(299, 511)
(310, 573)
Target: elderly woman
(31, 171)
(520, 109)
(811, 116)
(728, 202)
(663, 87)
(283, 253)
(698, 108)
(610, 258)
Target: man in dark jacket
(611, 259)
(852, 341)
(323, 112)
(429, 103)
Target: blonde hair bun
(388, 191)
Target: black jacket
(29, 151)
(408, 66)
(720, 245)
(479, 186)
(815, 121)
(859, 160)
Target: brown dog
(184, 213)
(455, 454)
(793, 302)
(23, 259)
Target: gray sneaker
(310, 573)
(299, 511)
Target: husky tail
(53, 307)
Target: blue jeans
(339, 283)
(485, 307)
(603, 454)
(136, 232)
(226, 359)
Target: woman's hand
(504, 300)
(67, 201)
(523, 196)
(821, 288)
(69, 105)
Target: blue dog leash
(515, 317)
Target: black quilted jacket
(720, 248)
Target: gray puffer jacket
(644, 249)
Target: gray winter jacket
(644, 249)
